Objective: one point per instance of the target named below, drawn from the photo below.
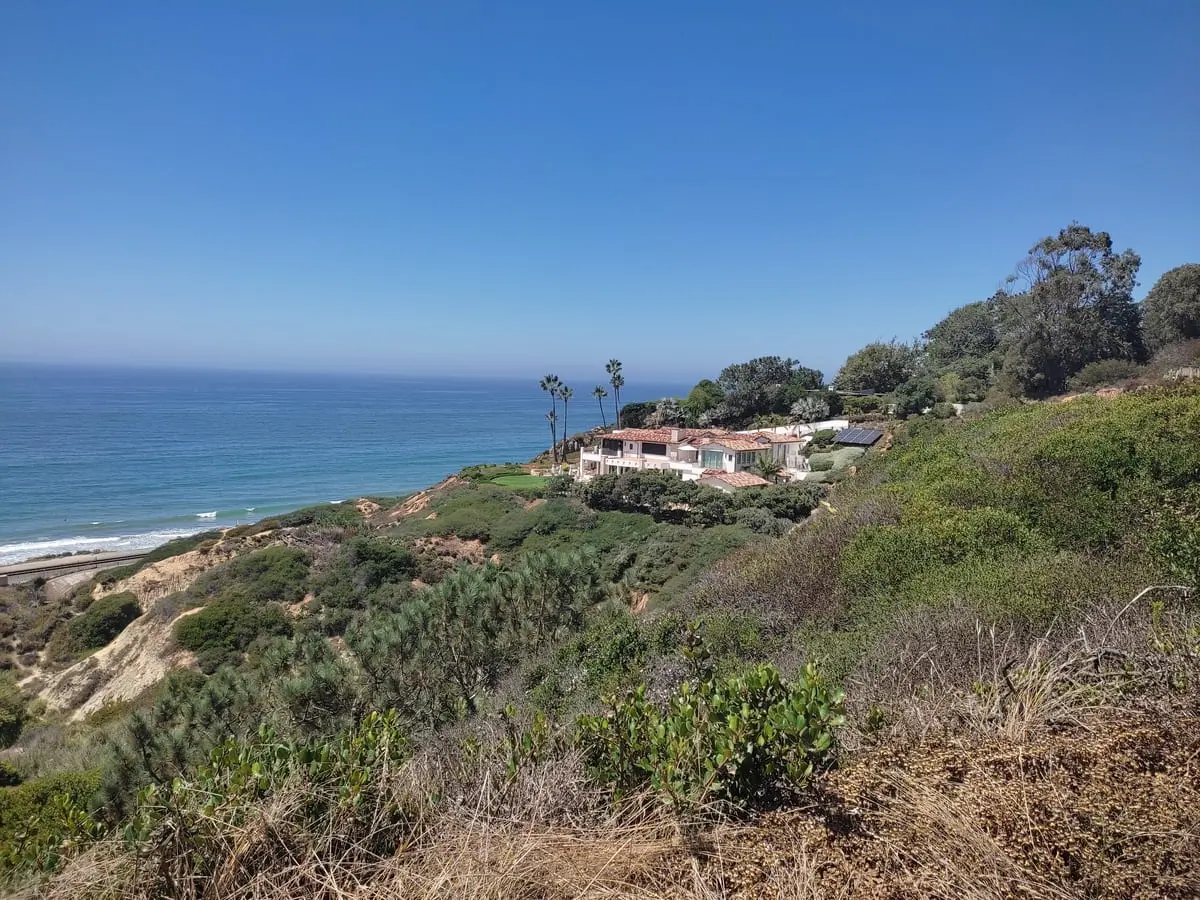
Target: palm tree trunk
(554, 428)
(564, 453)
(603, 419)
(617, 406)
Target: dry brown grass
(1066, 766)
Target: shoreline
(110, 538)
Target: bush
(13, 710)
(793, 501)
(820, 463)
(94, 628)
(1104, 372)
(943, 411)
(823, 438)
(761, 521)
(9, 776)
(725, 739)
(223, 629)
(40, 818)
(275, 573)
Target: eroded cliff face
(144, 653)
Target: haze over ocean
(112, 459)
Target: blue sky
(529, 187)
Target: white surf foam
(22, 550)
(207, 515)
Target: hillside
(971, 671)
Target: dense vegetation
(1065, 320)
(638, 652)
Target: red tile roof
(735, 442)
(733, 479)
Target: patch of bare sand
(421, 499)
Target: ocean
(112, 459)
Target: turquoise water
(104, 459)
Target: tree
(1076, 307)
(552, 418)
(600, 393)
(768, 467)
(550, 384)
(762, 386)
(878, 367)
(705, 396)
(810, 408)
(1171, 311)
(667, 412)
(565, 393)
(617, 380)
(971, 331)
(915, 395)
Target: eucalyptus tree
(617, 380)
(1171, 311)
(600, 393)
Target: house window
(711, 459)
(649, 448)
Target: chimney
(674, 435)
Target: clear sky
(523, 187)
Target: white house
(691, 453)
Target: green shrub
(94, 628)
(274, 573)
(762, 521)
(328, 515)
(1104, 372)
(943, 411)
(9, 776)
(724, 739)
(821, 463)
(226, 627)
(1175, 534)
(41, 819)
(13, 710)
(823, 438)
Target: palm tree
(617, 380)
(768, 467)
(550, 384)
(552, 418)
(600, 393)
(566, 394)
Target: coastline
(101, 537)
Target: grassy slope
(1017, 725)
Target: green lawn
(520, 481)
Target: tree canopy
(1171, 311)
(1076, 307)
(879, 367)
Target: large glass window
(649, 448)
(712, 459)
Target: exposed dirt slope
(143, 653)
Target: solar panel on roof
(862, 437)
